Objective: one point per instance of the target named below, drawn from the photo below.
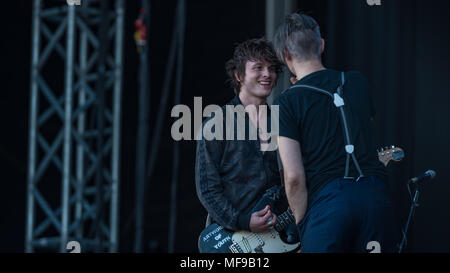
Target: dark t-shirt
(313, 120)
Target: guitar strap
(338, 101)
(208, 220)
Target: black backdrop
(401, 46)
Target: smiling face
(259, 79)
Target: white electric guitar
(217, 239)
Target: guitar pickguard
(267, 242)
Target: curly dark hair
(251, 50)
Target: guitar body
(217, 239)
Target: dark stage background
(401, 46)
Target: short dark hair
(300, 36)
(250, 50)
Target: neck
(250, 100)
(302, 69)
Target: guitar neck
(284, 219)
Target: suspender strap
(338, 101)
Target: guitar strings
(254, 236)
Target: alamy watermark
(373, 247)
(73, 2)
(73, 246)
(373, 2)
(234, 120)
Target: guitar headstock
(385, 155)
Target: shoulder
(287, 95)
(280, 100)
(356, 77)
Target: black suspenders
(338, 101)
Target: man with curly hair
(231, 175)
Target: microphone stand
(414, 204)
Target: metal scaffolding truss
(76, 78)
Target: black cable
(176, 149)
(142, 134)
(153, 148)
(153, 151)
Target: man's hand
(262, 221)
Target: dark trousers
(350, 216)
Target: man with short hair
(232, 175)
(335, 184)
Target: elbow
(294, 178)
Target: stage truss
(74, 130)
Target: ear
(236, 75)
(287, 55)
(322, 46)
(293, 79)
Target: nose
(266, 72)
